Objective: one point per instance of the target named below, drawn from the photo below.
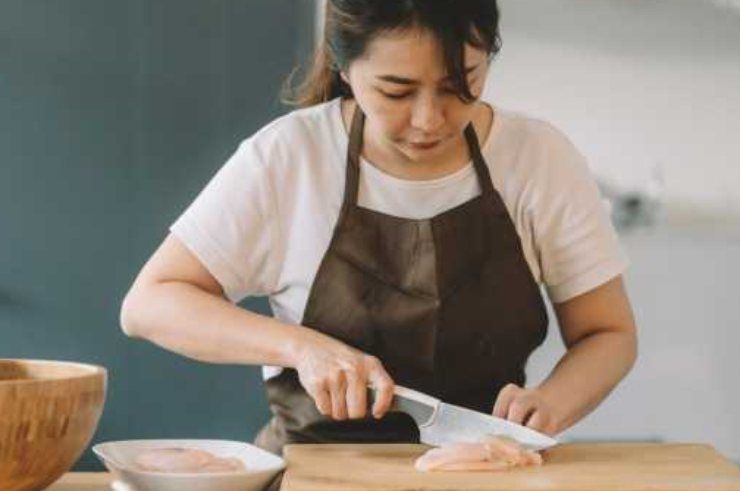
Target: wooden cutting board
(593, 467)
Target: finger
(519, 410)
(384, 385)
(356, 395)
(322, 398)
(540, 421)
(536, 421)
(503, 400)
(338, 389)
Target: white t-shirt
(263, 223)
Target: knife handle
(421, 407)
(405, 393)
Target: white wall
(640, 84)
(636, 85)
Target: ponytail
(322, 83)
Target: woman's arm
(177, 304)
(598, 329)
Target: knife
(441, 423)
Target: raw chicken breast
(492, 453)
(185, 460)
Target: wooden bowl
(49, 411)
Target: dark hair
(350, 26)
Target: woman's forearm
(192, 322)
(587, 373)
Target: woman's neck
(391, 161)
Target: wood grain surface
(593, 467)
(83, 481)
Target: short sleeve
(229, 226)
(575, 240)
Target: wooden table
(83, 481)
(593, 467)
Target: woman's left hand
(527, 407)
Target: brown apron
(447, 304)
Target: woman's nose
(428, 115)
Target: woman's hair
(351, 25)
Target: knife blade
(441, 423)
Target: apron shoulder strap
(352, 180)
(479, 163)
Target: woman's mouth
(424, 145)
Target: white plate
(118, 457)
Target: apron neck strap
(354, 150)
(352, 182)
(481, 168)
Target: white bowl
(262, 466)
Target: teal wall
(113, 115)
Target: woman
(401, 228)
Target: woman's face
(400, 85)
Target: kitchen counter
(83, 481)
(577, 466)
(592, 466)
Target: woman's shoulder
(298, 127)
(293, 153)
(296, 139)
(535, 148)
(523, 129)
(535, 162)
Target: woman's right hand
(337, 376)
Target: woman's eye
(403, 96)
(395, 96)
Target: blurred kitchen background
(113, 115)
